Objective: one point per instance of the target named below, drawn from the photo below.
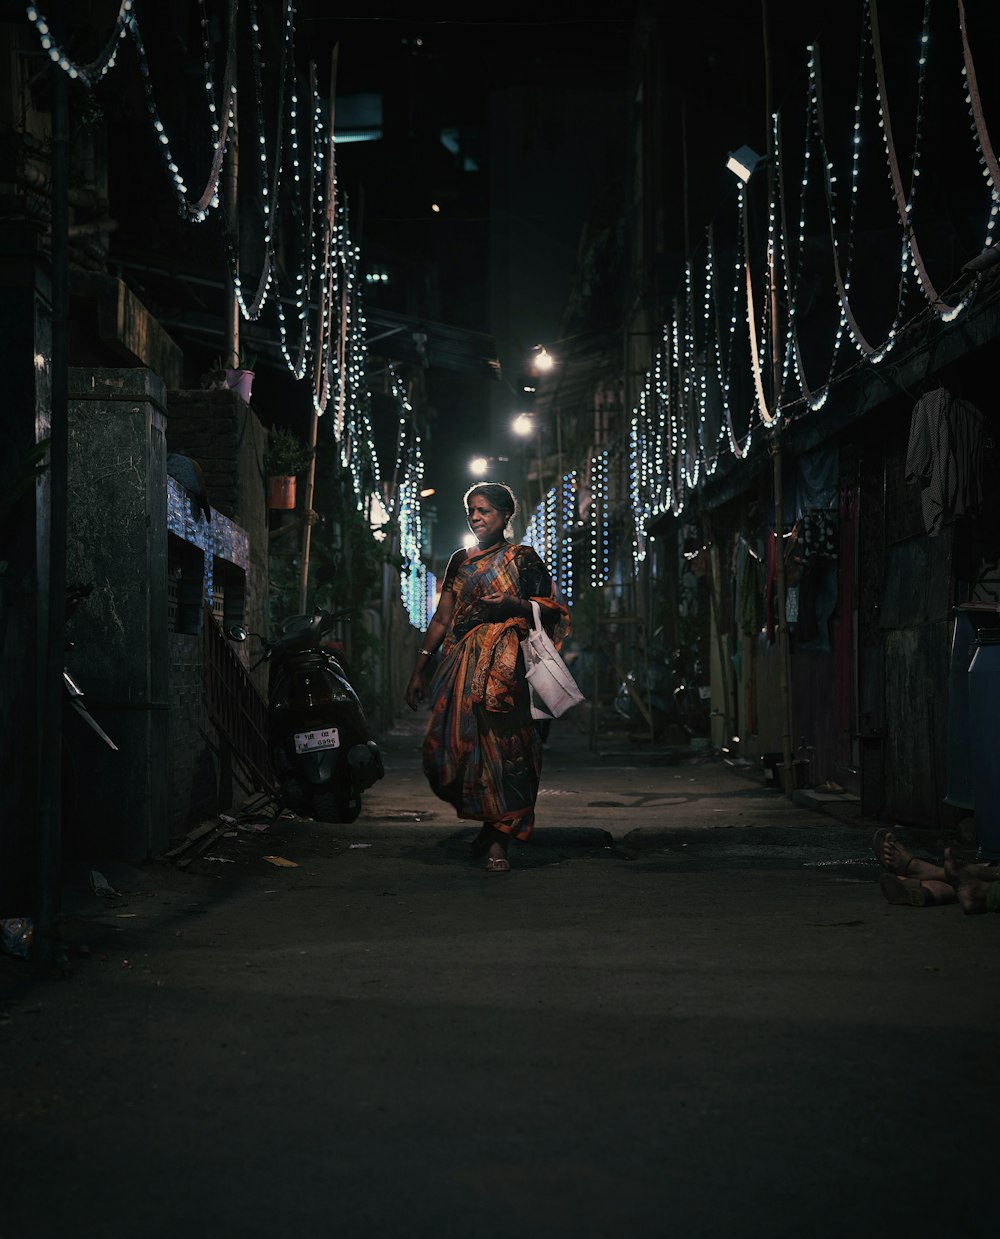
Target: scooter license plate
(326, 738)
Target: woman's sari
(482, 750)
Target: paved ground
(686, 1011)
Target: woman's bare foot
(970, 890)
(897, 859)
(494, 842)
(496, 859)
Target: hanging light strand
(92, 72)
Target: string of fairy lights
(417, 584)
(693, 409)
(320, 319)
(685, 421)
(550, 531)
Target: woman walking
(482, 750)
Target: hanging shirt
(945, 455)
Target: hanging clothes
(945, 455)
(749, 588)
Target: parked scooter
(692, 694)
(652, 681)
(320, 746)
(672, 687)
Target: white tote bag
(552, 687)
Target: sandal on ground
(907, 892)
(497, 864)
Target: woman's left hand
(505, 606)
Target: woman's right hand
(415, 690)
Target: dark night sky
(537, 179)
(557, 84)
(528, 98)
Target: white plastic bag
(552, 687)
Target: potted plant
(286, 457)
(238, 377)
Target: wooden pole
(231, 350)
(784, 668)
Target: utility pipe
(52, 593)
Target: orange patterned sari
(482, 750)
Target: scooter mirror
(236, 632)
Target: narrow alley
(686, 1010)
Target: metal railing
(235, 704)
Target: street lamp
(744, 162)
(482, 465)
(524, 425)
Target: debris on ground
(17, 935)
(101, 887)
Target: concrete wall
(145, 685)
(117, 543)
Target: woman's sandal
(907, 892)
(497, 864)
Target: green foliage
(283, 578)
(286, 454)
(584, 613)
(245, 361)
(90, 112)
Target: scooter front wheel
(331, 804)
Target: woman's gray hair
(497, 494)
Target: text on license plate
(326, 738)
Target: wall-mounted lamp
(523, 425)
(744, 162)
